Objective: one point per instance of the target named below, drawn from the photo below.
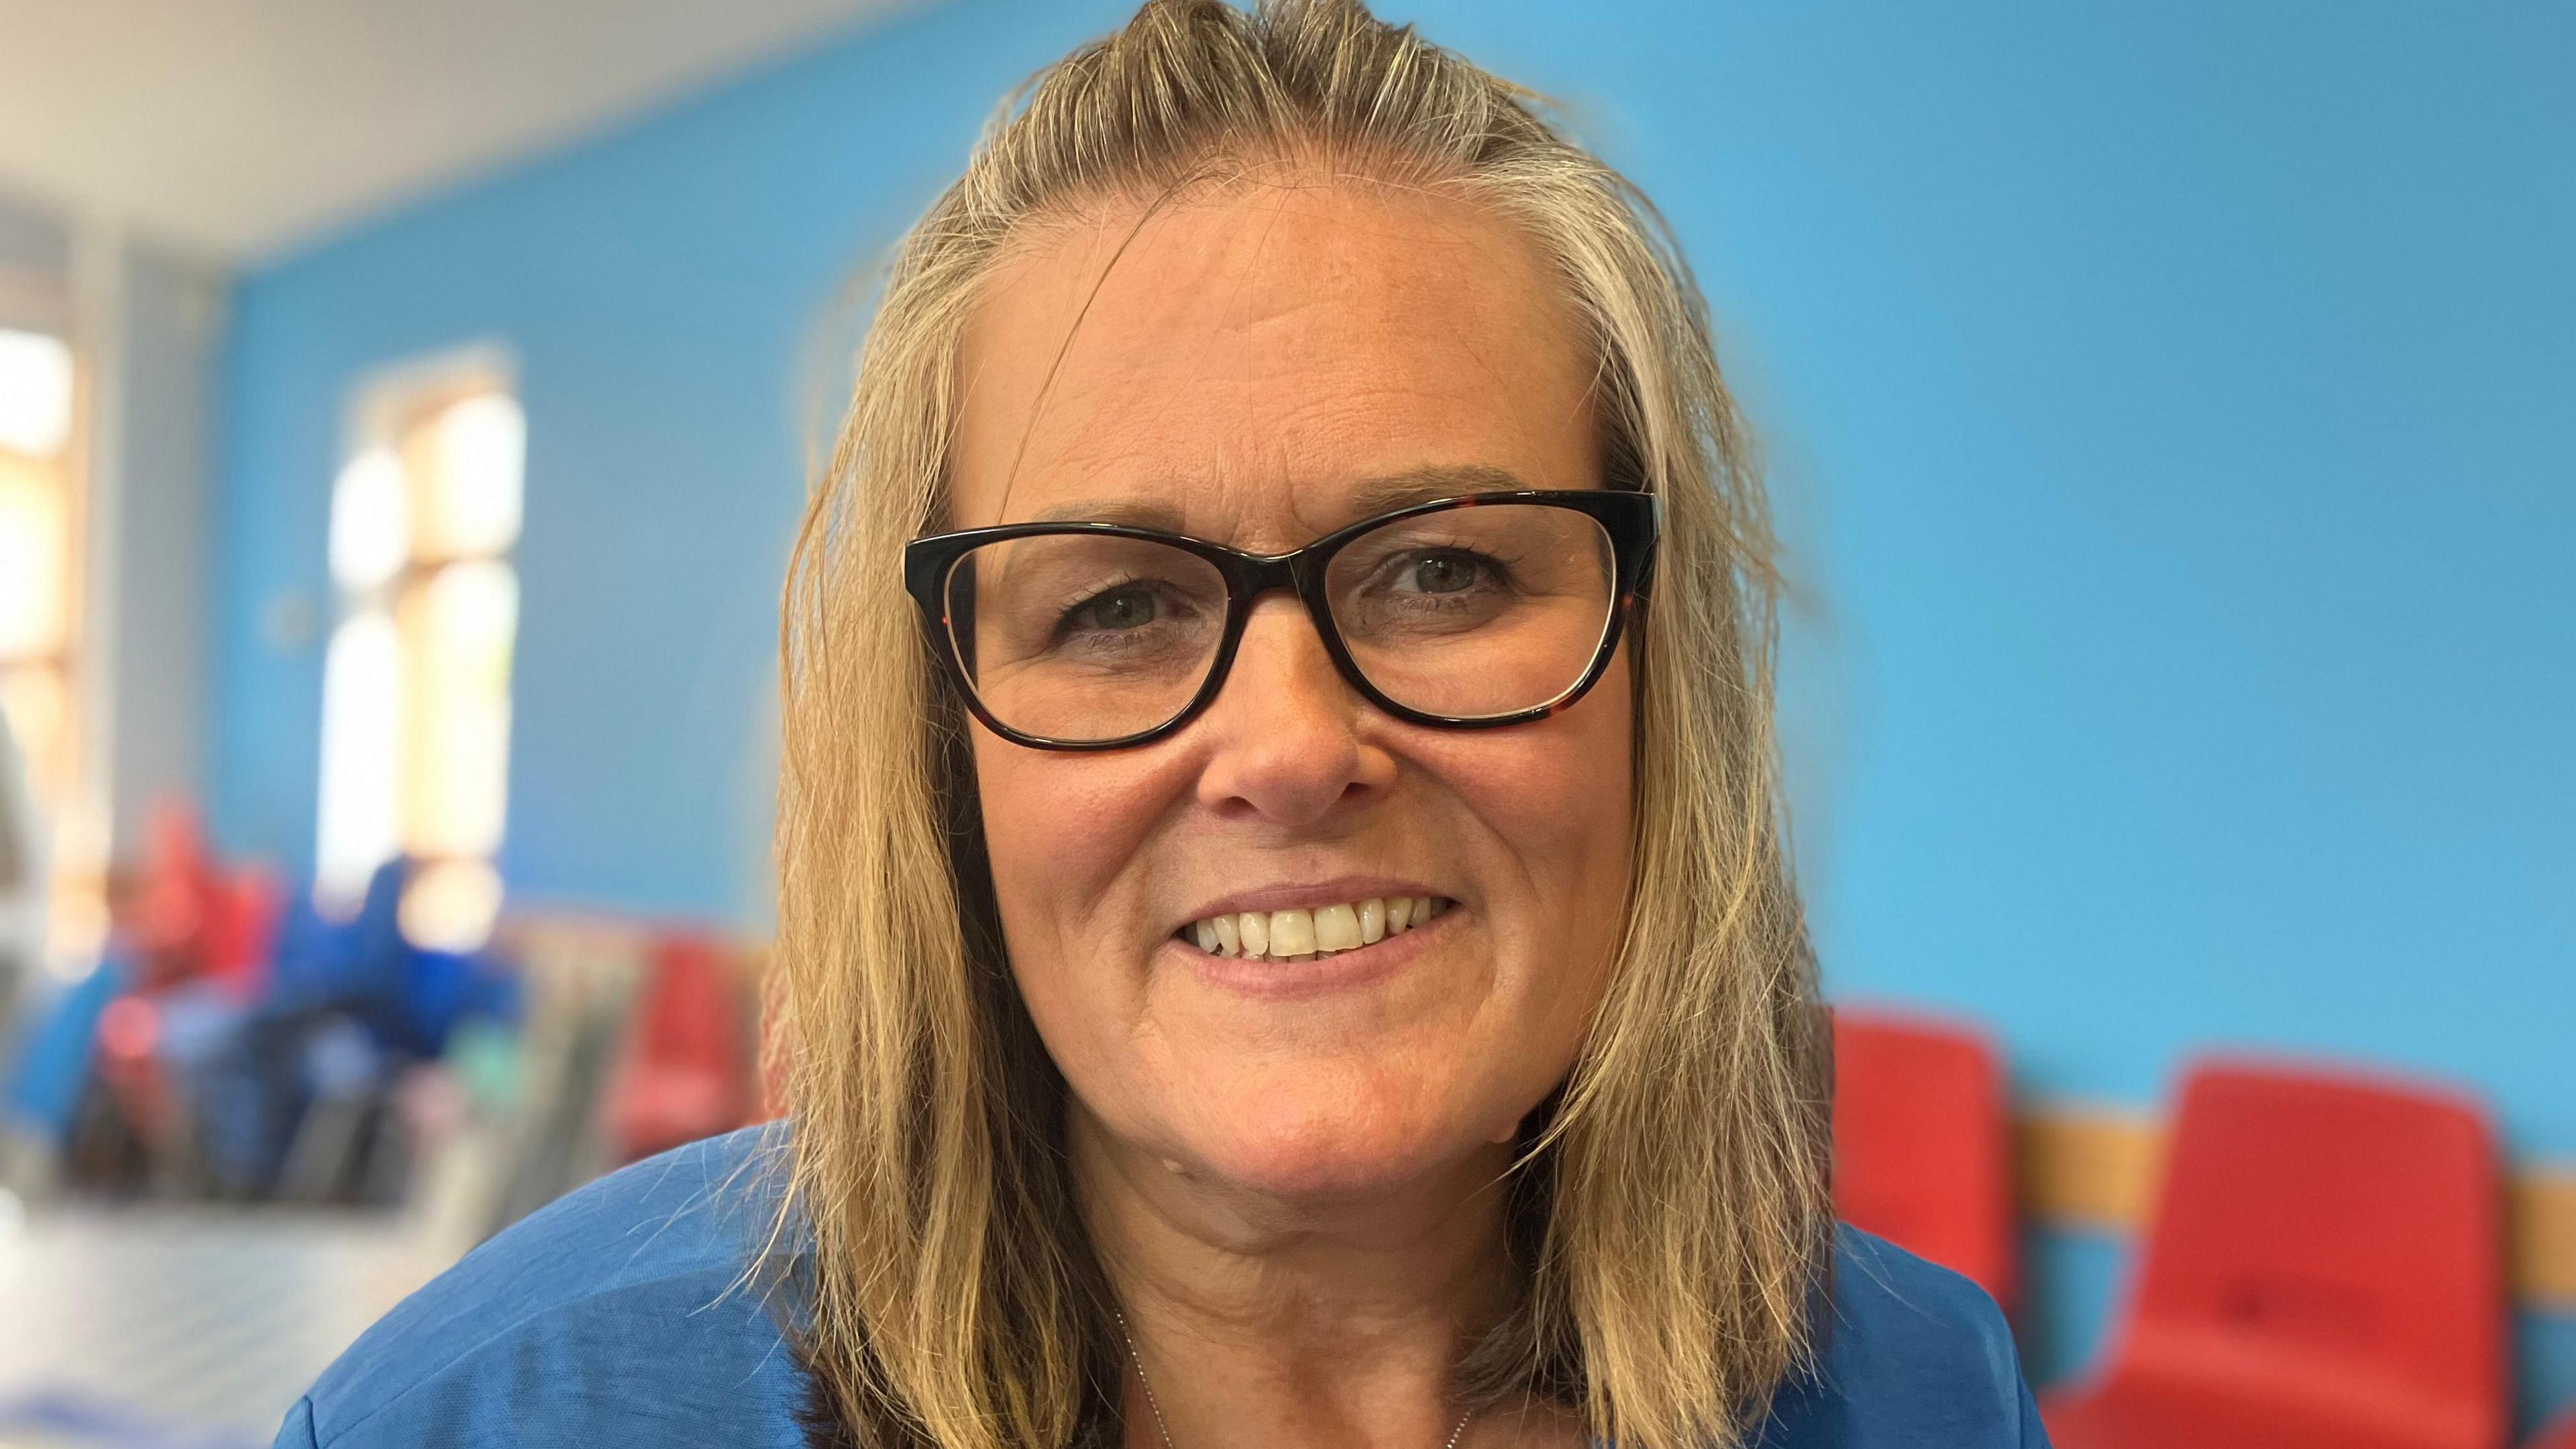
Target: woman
(1285, 928)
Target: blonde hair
(1669, 1212)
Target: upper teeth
(1295, 935)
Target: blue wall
(2174, 412)
(668, 290)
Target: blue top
(617, 1318)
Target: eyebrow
(1421, 485)
(1127, 512)
(1367, 498)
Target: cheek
(1551, 808)
(1064, 834)
(1055, 832)
(1559, 792)
(1582, 793)
(1599, 770)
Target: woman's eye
(1130, 606)
(1446, 573)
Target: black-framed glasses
(1469, 612)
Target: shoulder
(1908, 1353)
(618, 1315)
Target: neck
(1295, 1323)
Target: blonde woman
(1284, 926)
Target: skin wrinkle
(1334, 1220)
(1111, 445)
(1072, 329)
(1277, 188)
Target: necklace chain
(1164, 1429)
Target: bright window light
(477, 459)
(370, 522)
(362, 698)
(461, 630)
(35, 393)
(32, 533)
(451, 904)
(39, 713)
(416, 708)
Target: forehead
(1257, 365)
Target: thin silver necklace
(1156, 1405)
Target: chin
(1322, 1141)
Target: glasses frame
(1632, 520)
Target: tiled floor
(172, 1327)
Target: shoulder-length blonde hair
(1670, 1215)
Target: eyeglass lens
(1464, 613)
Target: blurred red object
(1922, 1142)
(192, 920)
(240, 946)
(129, 1064)
(129, 1030)
(177, 890)
(684, 1072)
(2326, 1268)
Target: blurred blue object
(409, 999)
(52, 1061)
(340, 1062)
(62, 1419)
(287, 1090)
(349, 1006)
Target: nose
(1286, 737)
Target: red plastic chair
(2326, 1271)
(178, 890)
(240, 948)
(1922, 1142)
(191, 919)
(684, 1073)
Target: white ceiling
(241, 126)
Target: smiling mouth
(1303, 935)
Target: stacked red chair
(191, 919)
(2325, 1271)
(685, 1071)
(241, 931)
(178, 891)
(1922, 1142)
(190, 925)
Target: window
(416, 682)
(36, 557)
